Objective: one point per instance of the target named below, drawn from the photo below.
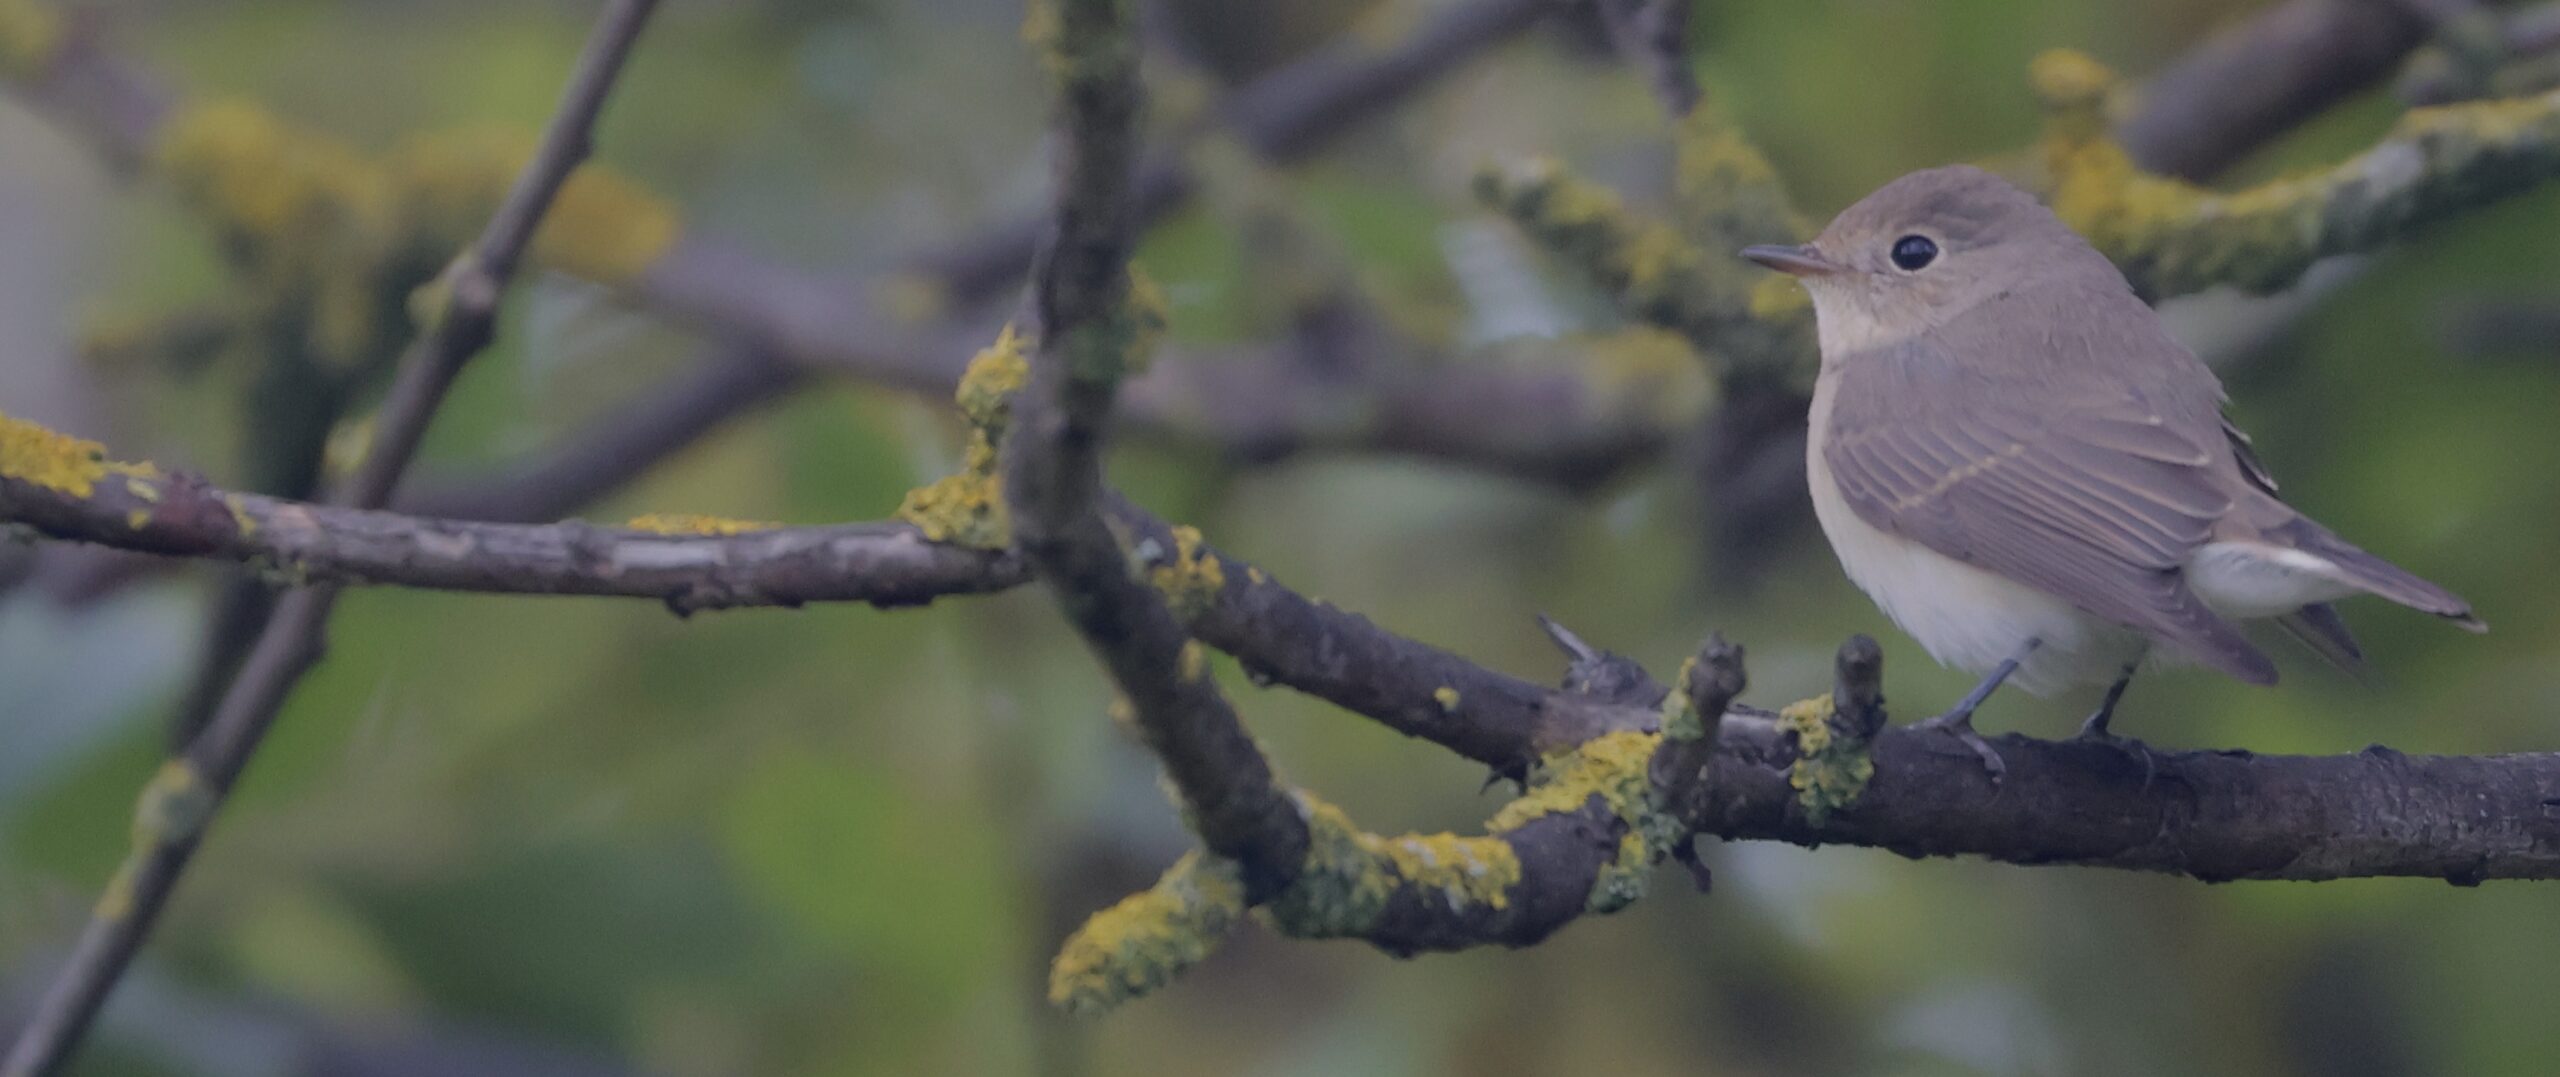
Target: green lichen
(1447, 697)
(1192, 578)
(967, 507)
(1142, 943)
(686, 523)
(1830, 770)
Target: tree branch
(2248, 84)
(181, 801)
(1052, 472)
(2228, 813)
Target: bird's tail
(2373, 575)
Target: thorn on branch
(1602, 675)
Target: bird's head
(1924, 249)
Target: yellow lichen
(1254, 574)
(1616, 768)
(1349, 874)
(1830, 771)
(1610, 766)
(1147, 939)
(1192, 662)
(967, 507)
(267, 181)
(605, 227)
(1727, 192)
(1652, 372)
(1447, 697)
(53, 460)
(173, 807)
(985, 394)
(30, 35)
(1192, 578)
(2071, 80)
(964, 509)
(686, 523)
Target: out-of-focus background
(560, 835)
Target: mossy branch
(1093, 328)
(2172, 237)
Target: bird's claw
(1960, 725)
(2095, 732)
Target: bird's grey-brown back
(1994, 394)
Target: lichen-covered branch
(2227, 814)
(67, 488)
(2172, 238)
(691, 563)
(1051, 473)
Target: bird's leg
(2095, 729)
(1958, 719)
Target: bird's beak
(1793, 261)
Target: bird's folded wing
(2081, 489)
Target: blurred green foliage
(846, 841)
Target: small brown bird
(2022, 468)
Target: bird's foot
(1959, 724)
(2095, 731)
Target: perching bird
(2022, 468)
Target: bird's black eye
(1912, 253)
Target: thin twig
(180, 803)
(1654, 35)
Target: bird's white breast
(1963, 616)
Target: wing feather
(2093, 481)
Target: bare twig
(1654, 36)
(181, 802)
(2258, 79)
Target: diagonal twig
(180, 802)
